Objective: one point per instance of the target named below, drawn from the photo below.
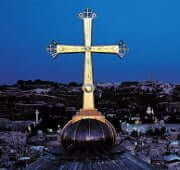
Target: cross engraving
(88, 110)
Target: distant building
(42, 91)
(158, 162)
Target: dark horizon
(78, 82)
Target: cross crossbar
(88, 87)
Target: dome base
(116, 159)
(88, 114)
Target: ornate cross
(88, 110)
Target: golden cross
(88, 87)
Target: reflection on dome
(88, 134)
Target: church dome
(89, 144)
(88, 134)
(117, 158)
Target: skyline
(151, 30)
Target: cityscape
(113, 116)
(145, 115)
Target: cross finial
(87, 13)
(52, 49)
(123, 49)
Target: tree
(73, 84)
(134, 133)
(21, 84)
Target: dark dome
(116, 159)
(88, 134)
(89, 144)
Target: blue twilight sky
(151, 29)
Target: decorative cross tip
(123, 49)
(87, 13)
(52, 49)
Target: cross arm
(55, 49)
(70, 49)
(114, 49)
(121, 49)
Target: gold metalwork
(88, 114)
(70, 49)
(114, 49)
(88, 110)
